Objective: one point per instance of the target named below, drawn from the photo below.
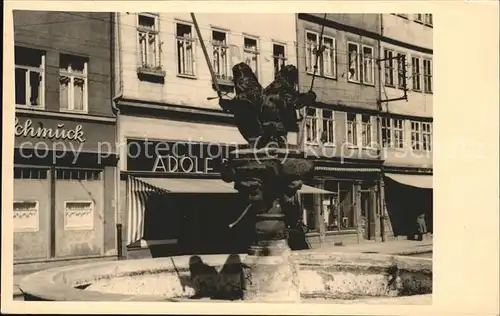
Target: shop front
(64, 189)
(177, 203)
(349, 213)
(409, 201)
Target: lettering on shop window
(26, 129)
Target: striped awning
(139, 190)
(419, 181)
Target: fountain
(267, 173)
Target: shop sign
(183, 157)
(59, 132)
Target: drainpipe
(379, 132)
(116, 94)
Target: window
(389, 67)
(415, 69)
(328, 130)
(366, 131)
(220, 53)
(185, 50)
(279, 57)
(353, 60)
(418, 17)
(352, 135)
(427, 76)
(30, 173)
(78, 215)
(26, 216)
(346, 205)
(326, 61)
(416, 142)
(312, 128)
(29, 76)
(368, 65)
(428, 19)
(251, 54)
(78, 175)
(427, 136)
(401, 61)
(392, 132)
(73, 83)
(148, 41)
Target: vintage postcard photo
(197, 156)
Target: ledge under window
(151, 74)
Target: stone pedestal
(269, 179)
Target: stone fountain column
(269, 179)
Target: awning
(419, 181)
(208, 186)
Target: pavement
(395, 247)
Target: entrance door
(366, 213)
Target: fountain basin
(329, 277)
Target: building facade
(340, 133)
(406, 125)
(64, 155)
(166, 101)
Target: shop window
(73, 84)
(26, 216)
(346, 206)
(309, 212)
(30, 173)
(78, 175)
(29, 77)
(185, 50)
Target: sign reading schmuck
(176, 157)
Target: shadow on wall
(405, 204)
(227, 284)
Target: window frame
(321, 71)
(362, 125)
(226, 48)
(416, 145)
(71, 94)
(428, 146)
(256, 52)
(420, 81)
(397, 143)
(193, 39)
(358, 64)
(428, 76)
(41, 70)
(390, 61)
(281, 60)
(372, 83)
(428, 20)
(309, 119)
(142, 56)
(333, 127)
(354, 123)
(401, 67)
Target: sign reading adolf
(176, 157)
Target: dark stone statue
(266, 115)
(268, 177)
